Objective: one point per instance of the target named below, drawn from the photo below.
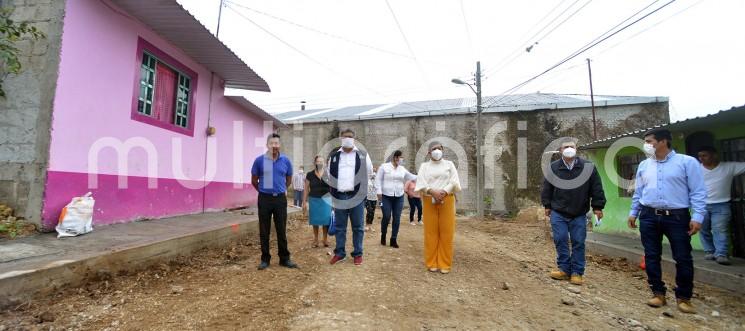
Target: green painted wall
(617, 208)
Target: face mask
(347, 142)
(569, 152)
(319, 166)
(436, 155)
(649, 149)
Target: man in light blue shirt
(667, 186)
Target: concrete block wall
(25, 115)
(503, 132)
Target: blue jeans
(356, 215)
(675, 227)
(391, 205)
(715, 229)
(298, 198)
(565, 230)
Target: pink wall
(94, 100)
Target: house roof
(723, 117)
(250, 106)
(511, 103)
(170, 20)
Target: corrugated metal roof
(519, 102)
(174, 23)
(728, 116)
(250, 106)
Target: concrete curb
(708, 273)
(19, 286)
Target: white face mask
(569, 152)
(649, 149)
(347, 142)
(437, 155)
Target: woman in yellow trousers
(438, 182)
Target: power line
(562, 22)
(330, 35)
(648, 28)
(520, 50)
(408, 45)
(310, 58)
(468, 29)
(586, 47)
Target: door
(734, 150)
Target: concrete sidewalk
(730, 277)
(43, 263)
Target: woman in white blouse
(390, 181)
(438, 182)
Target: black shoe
(394, 244)
(382, 239)
(289, 264)
(263, 265)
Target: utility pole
(479, 144)
(592, 103)
(219, 16)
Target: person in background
(298, 186)
(718, 179)
(415, 202)
(437, 182)
(371, 203)
(390, 179)
(567, 208)
(350, 168)
(271, 174)
(317, 200)
(667, 185)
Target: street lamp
(479, 138)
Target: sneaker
(336, 259)
(358, 260)
(420, 223)
(445, 271)
(433, 270)
(576, 280)
(709, 257)
(657, 301)
(412, 223)
(367, 228)
(559, 275)
(685, 306)
(263, 265)
(723, 260)
(289, 264)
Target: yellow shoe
(576, 280)
(559, 275)
(686, 306)
(657, 301)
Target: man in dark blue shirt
(270, 175)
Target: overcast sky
(343, 53)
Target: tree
(10, 33)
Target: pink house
(139, 116)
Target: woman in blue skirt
(318, 201)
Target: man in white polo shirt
(718, 178)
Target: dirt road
(221, 289)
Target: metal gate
(734, 150)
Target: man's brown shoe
(559, 275)
(686, 306)
(658, 301)
(576, 280)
